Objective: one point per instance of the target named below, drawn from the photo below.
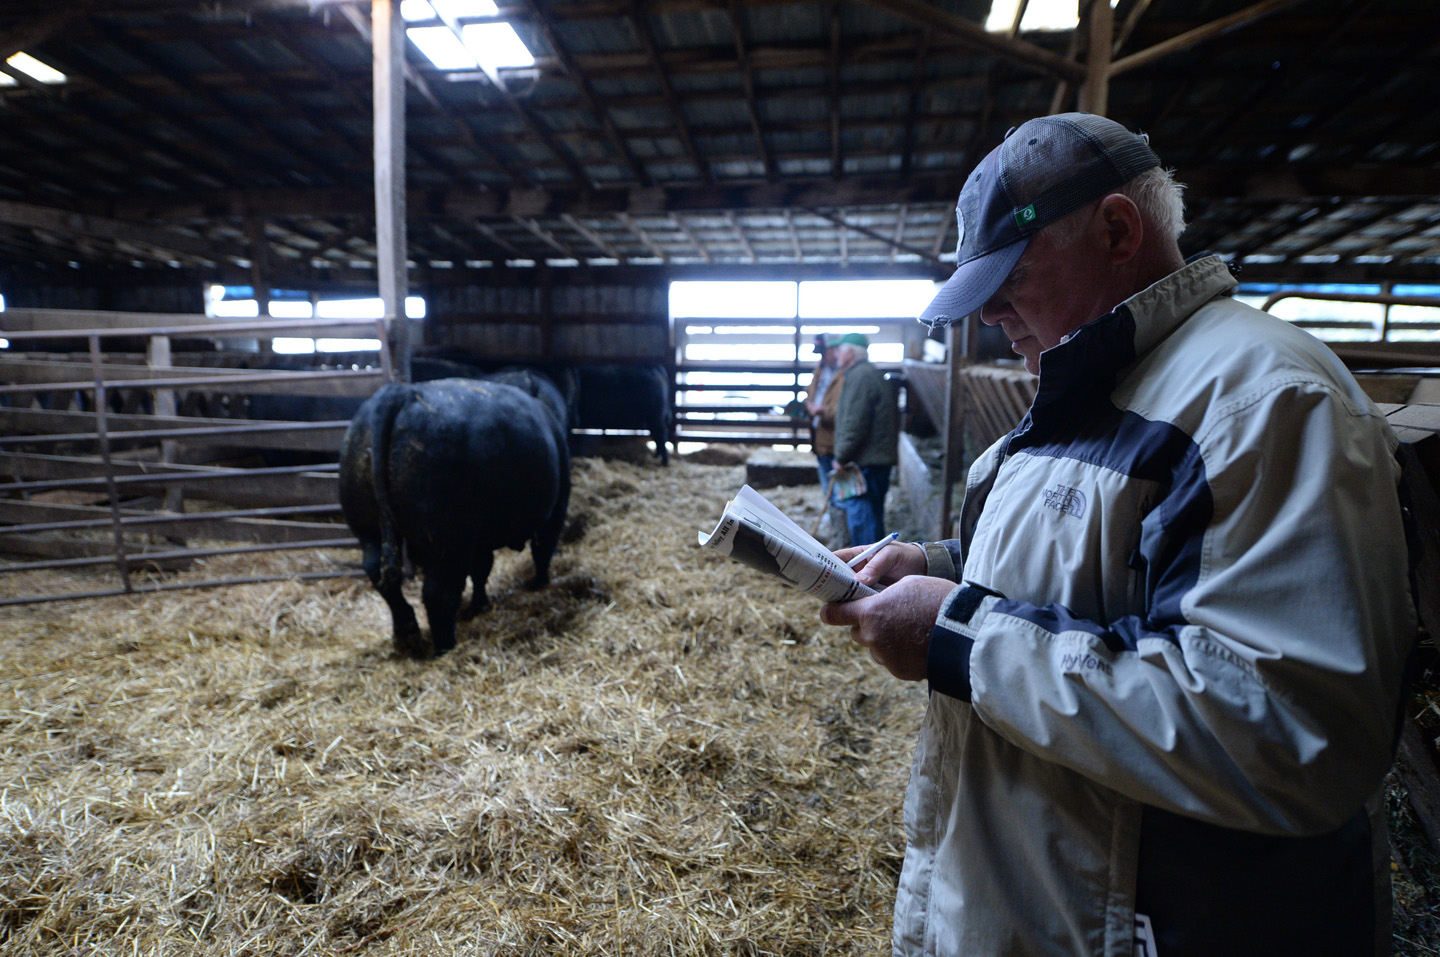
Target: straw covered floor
(662, 753)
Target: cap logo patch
(1024, 217)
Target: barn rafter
(641, 112)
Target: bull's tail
(391, 399)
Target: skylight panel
(443, 47)
(32, 67)
(467, 8)
(497, 45)
(1039, 15)
(413, 10)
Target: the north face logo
(1066, 500)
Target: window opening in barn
(239, 302)
(1349, 317)
(746, 349)
(25, 63)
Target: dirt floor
(660, 754)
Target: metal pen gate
(727, 400)
(115, 463)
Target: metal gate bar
(318, 382)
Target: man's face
(1051, 292)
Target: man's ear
(1124, 228)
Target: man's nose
(995, 309)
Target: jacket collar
(1088, 364)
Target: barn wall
(574, 315)
(80, 294)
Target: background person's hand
(895, 624)
(889, 565)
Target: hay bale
(771, 468)
(718, 454)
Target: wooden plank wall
(542, 317)
(997, 396)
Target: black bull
(625, 397)
(454, 469)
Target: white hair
(845, 351)
(1159, 198)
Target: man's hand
(889, 565)
(895, 624)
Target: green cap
(855, 339)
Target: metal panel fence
(97, 445)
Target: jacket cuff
(947, 662)
(939, 561)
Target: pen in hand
(869, 552)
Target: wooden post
(1100, 29)
(546, 278)
(122, 560)
(158, 357)
(388, 42)
(1387, 288)
(259, 264)
(796, 370)
(960, 344)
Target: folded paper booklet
(756, 533)
(847, 483)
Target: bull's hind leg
(444, 586)
(479, 573)
(407, 637)
(547, 536)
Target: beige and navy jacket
(1170, 687)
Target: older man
(1165, 653)
(866, 427)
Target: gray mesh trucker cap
(1044, 169)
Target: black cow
(454, 469)
(626, 397)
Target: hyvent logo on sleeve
(1066, 501)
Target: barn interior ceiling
(232, 138)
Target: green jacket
(866, 423)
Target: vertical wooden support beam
(959, 348)
(157, 356)
(547, 313)
(797, 370)
(102, 432)
(388, 43)
(259, 271)
(1100, 29)
(259, 263)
